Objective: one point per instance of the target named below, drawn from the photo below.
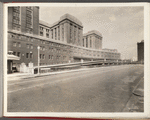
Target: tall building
(60, 42)
(140, 51)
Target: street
(102, 89)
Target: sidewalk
(19, 76)
(136, 102)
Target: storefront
(10, 59)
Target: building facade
(61, 42)
(140, 51)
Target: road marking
(43, 79)
(52, 82)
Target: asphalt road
(103, 89)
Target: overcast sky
(121, 27)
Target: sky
(121, 27)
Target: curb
(137, 90)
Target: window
(27, 55)
(43, 48)
(16, 18)
(28, 46)
(18, 54)
(14, 53)
(40, 56)
(86, 42)
(14, 44)
(83, 42)
(31, 55)
(58, 33)
(55, 34)
(50, 57)
(31, 46)
(52, 34)
(43, 56)
(47, 30)
(62, 32)
(29, 20)
(40, 47)
(41, 28)
(90, 42)
(41, 33)
(19, 44)
(47, 35)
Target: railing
(56, 67)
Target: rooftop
(93, 32)
(70, 17)
(44, 23)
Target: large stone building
(61, 42)
(140, 51)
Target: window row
(17, 54)
(51, 57)
(29, 55)
(29, 46)
(16, 44)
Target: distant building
(61, 42)
(140, 51)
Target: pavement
(103, 89)
(21, 76)
(136, 102)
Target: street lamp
(23, 57)
(38, 59)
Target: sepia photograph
(75, 58)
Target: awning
(12, 57)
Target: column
(65, 32)
(84, 42)
(88, 41)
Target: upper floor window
(83, 42)
(41, 33)
(14, 44)
(27, 55)
(41, 28)
(47, 30)
(31, 46)
(19, 44)
(86, 42)
(47, 35)
(52, 34)
(27, 46)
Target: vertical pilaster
(65, 32)
(89, 41)
(60, 27)
(57, 32)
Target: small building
(10, 59)
(140, 51)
